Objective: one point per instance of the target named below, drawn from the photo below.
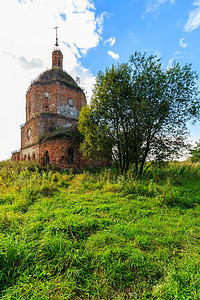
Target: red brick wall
(49, 98)
(30, 133)
(58, 152)
(30, 153)
(57, 59)
(15, 156)
(49, 109)
(43, 126)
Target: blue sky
(93, 35)
(156, 27)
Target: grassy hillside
(99, 235)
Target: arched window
(33, 156)
(70, 157)
(25, 157)
(47, 158)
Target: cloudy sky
(93, 34)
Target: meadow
(98, 234)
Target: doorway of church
(70, 157)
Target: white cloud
(22, 1)
(113, 54)
(194, 18)
(27, 41)
(87, 80)
(34, 63)
(182, 44)
(110, 41)
(24, 63)
(172, 60)
(153, 5)
(177, 53)
(99, 21)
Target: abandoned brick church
(53, 104)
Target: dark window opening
(24, 157)
(33, 156)
(45, 103)
(29, 158)
(47, 158)
(70, 157)
(59, 63)
(29, 108)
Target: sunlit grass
(99, 235)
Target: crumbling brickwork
(16, 156)
(53, 104)
(54, 97)
(59, 150)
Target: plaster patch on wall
(46, 95)
(68, 111)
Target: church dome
(56, 75)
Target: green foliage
(99, 234)
(195, 153)
(139, 113)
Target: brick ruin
(53, 104)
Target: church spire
(57, 57)
(56, 28)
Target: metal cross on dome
(56, 28)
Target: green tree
(139, 112)
(195, 153)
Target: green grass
(98, 235)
